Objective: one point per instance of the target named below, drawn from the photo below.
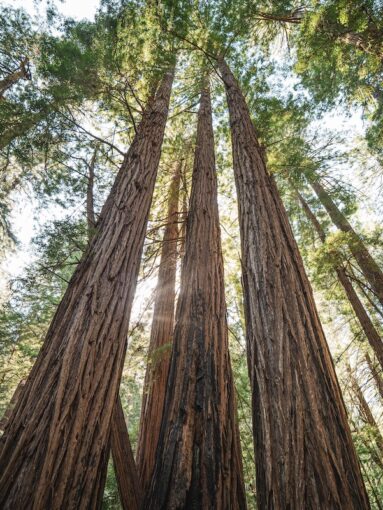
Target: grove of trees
(191, 248)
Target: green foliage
(90, 84)
(340, 50)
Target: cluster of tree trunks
(299, 419)
(68, 416)
(198, 461)
(54, 446)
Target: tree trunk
(198, 461)
(305, 457)
(376, 374)
(125, 469)
(368, 327)
(54, 444)
(124, 465)
(160, 340)
(367, 264)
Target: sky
(78, 9)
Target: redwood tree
(305, 457)
(55, 443)
(198, 460)
(160, 338)
(124, 465)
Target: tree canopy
(73, 94)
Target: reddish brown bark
(367, 264)
(198, 461)
(55, 443)
(124, 465)
(305, 457)
(125, 469)
(368, 327)
(161, 338)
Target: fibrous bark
(198, 461)
(305, 457)
(55, 443)
(124, 466)
(367, 264)
(125, 469)
(161, 338)
(368, 327)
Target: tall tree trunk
(124, 466)
(198, 461)
(160, 339)
(376, 374)
(54, 444)
(367, 264)
(368, 327)
(125, 469)
(305, 457)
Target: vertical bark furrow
(198, 461)
(125, 469)
(161, 337)
(52, 447)
(304, 452)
